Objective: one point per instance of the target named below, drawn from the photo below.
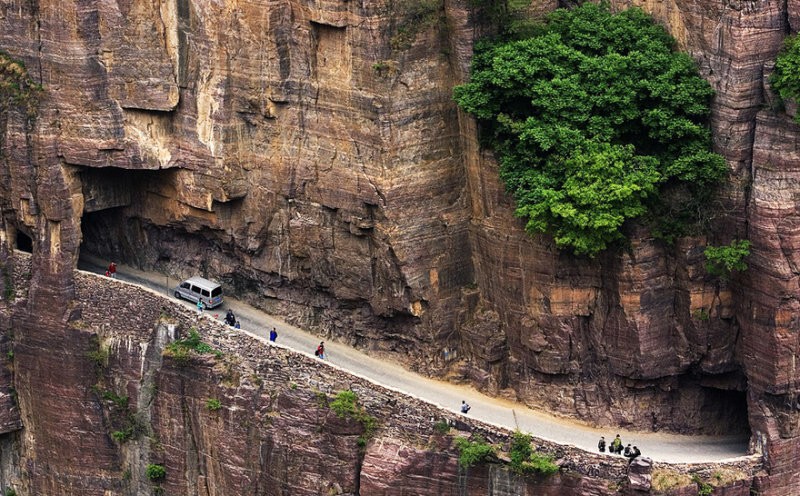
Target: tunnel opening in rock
(114, 200)
(23, 242)
(729, 412)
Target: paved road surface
(659, 446)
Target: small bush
(344, 405)
(119, 401)
(441, 427)
(178, 353)
(786, 78)
(10, 492)
(541, 464)
(180, 350)
(369, 423)
(520, 450)
(213, 404)
(523, 460)
(155, 472)
(99, 356)
(203, 348)
(703, 488)
(722, 261)
(473, 452)
(122, 436)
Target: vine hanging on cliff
(594, 119)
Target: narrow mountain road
(659, 446)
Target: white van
(198, 288)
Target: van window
(204, 292)
(216, 291)
(185, 285)
(195, 289)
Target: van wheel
(178, 295)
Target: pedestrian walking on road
(616, 445)
(273, 335)
(601, 444)
(112, 270)
(320, 350)
(465, 408)
(200, 306)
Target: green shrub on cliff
(524, 460)
(17, 89)
(722, 261)
(155, 472)
(180, 349)
(411, 17)
(592, 120)
(345, 405)
(473, 452)
(786, 78)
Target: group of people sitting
(230, 319)
(630, 452)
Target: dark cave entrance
(23, 242)
(113, 200)
(726, 412)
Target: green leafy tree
(722, 261)
(786, 78)
(592, 119)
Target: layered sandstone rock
(271, 430)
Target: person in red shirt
(112, 270)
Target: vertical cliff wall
(309, 155)
(246, 418)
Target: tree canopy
(590, 118)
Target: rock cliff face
(308, 154)
(243, 418)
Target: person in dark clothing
(230, 318)
(601, 444)
(633, 454)
(273, 335)
(616, 445)
(627, 451)
(320, 350)
(465, 407)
